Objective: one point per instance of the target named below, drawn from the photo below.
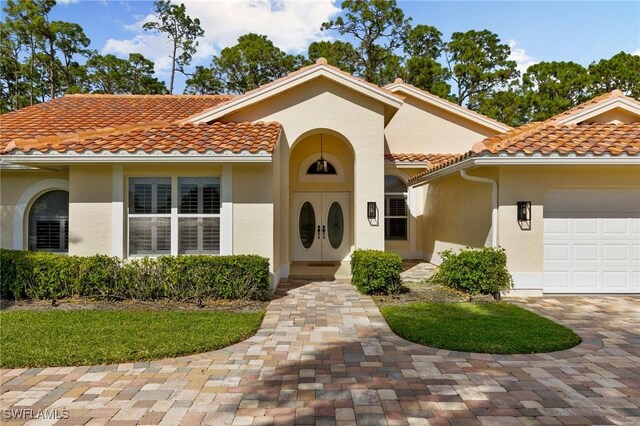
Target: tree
(621, 71)
(112, 75)
(25, 18)
(424, 41)
(379, 26)
(479, 63)
(72, 42)
(252, 62)
(11, 74)
(181, 30)
(203, 82)
(506, 106)
(141, 76)
(338, 53)
(553, 87)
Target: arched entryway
(321, 189)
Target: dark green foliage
(498, 328)
(375, 271)
(41, 276)
(474, 271)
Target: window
(395, 208)
(149, 216)
(199, 215)
(313, 169)
(155, 217)
(49, 222)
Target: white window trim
(408, 211)
(308, 161)
(225, 215)
(196, 216)
(21, 212)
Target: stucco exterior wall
(15, 185)
(324, 106)
(457, 213)
(525, 247)
(90, 196)
(253, 211)
(420, 127)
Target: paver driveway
(325, 355)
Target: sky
(579, 31)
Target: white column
(226, 210)
(117, 211)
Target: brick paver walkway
(325, 355)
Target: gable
(296, 81)
(613, 107)
(423, 127)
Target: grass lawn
(58, 338)
(498, 328)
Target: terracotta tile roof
(552, 138)
(84, 113)
(429, 159)
(201, 138)
(545, 138)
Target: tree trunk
(52, 70)
(173, 66)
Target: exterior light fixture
(371, 210)
(321, 165)
(524, 211)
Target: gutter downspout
(494, 203)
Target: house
(311, 166)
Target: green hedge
(474, 271)
(375, 271)
(39, 275)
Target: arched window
(313, 169)
(395, 208)
(49, 222)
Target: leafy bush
(474, 271)
(375, 271)
(38, 275)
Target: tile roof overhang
(105, 128)
(187, 142)
(552, 142)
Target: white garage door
(592, 241)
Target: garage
(592, 241)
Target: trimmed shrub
(474, 271)
(375, 271)
(41, 276)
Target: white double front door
(320, 226)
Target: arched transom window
(49, 222)
(395, 208)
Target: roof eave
(447, 106)
(523, 160)
(287, 83)
(138, 157)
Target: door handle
(324, 230)
(318, 231)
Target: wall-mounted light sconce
(524, 211)
(371, 210)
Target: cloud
(521, 57)
(66, 2)
(636, 52)
(291, 24)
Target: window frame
(63, 223)
(174, 215)
(396, 195)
